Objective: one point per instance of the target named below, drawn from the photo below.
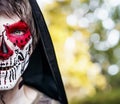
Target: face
(15, 50)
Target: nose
(5, 51)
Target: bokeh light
(88, 47)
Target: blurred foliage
(109, 97)
(86, 37)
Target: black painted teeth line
(5, 77)
(10, 76)
(5, 68)
(0, 78)
(15, 72)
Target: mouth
(5, 68)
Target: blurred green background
(86, 37)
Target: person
(29, 72)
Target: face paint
(15, 51)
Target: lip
(5, 68)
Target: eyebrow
(20, 24)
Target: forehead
(8, 20)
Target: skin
(16, 95)
(24, 95)
(6, 20)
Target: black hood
(42, 72)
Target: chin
(10, 78)
(12, 68)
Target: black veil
(42, 72)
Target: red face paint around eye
(18, 33)
(15, 51)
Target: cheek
(21, 40)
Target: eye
(17, 32)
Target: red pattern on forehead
(19, 40)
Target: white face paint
(15, 50)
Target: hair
(22, 9)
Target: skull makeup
(15, 51)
